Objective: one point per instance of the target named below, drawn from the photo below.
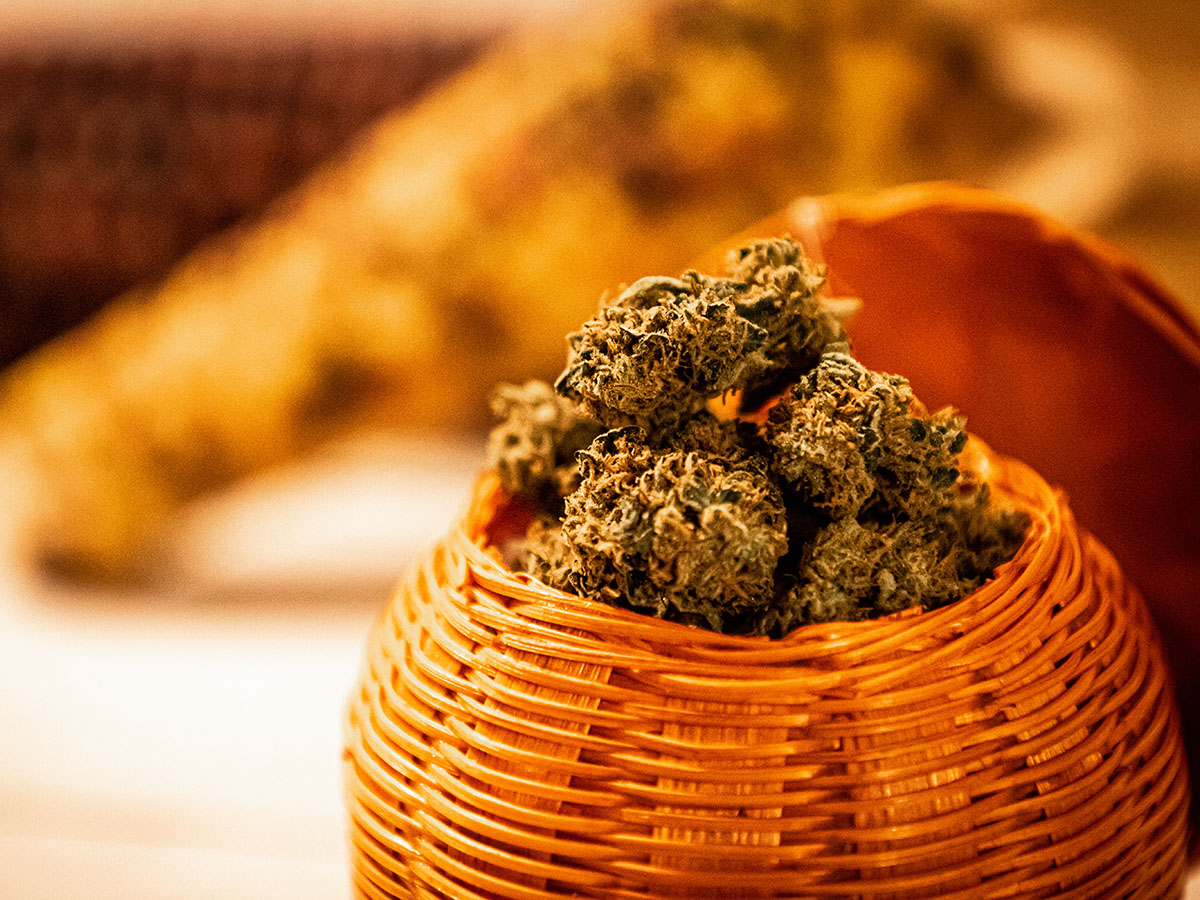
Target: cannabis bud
(664, 347)
(845, 503)
(844, 437)
(533, 448)
(681, 533)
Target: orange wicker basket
(508, 740)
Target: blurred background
(193, 551)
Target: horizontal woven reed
(511, 741)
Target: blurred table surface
(182, 740)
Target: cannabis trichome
(823, 492)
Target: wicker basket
(511, 741)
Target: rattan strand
(509, 741)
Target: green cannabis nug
(844, 501)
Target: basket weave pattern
(511, 741)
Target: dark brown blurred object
(116, 161)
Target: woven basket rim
(1011, 482)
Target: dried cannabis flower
(659, 352)
(784, 297)
(533, 448)
(682, 534)
(855, 569)
(844, 437)
(846, 503)
(665, 346)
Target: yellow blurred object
(463, 238)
